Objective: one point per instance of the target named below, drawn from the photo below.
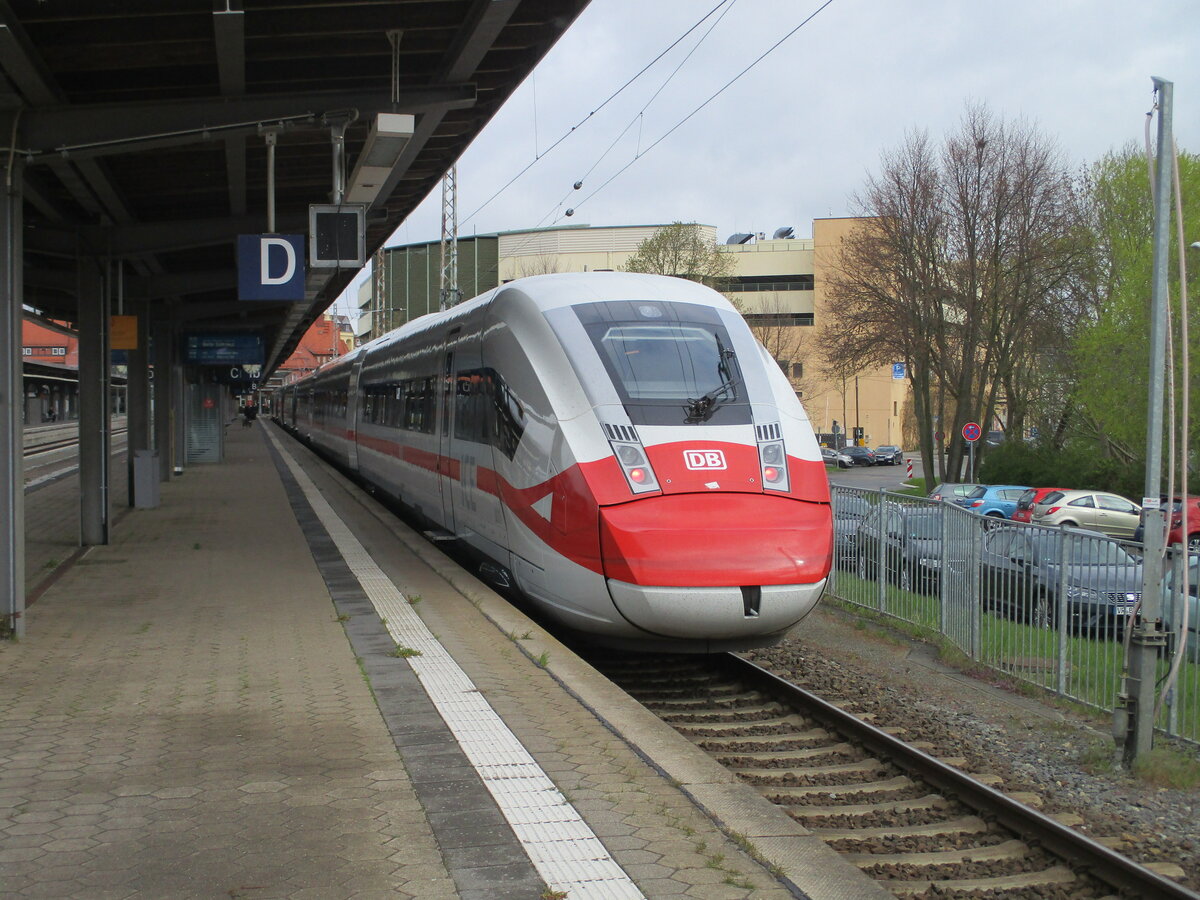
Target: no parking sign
(971, 432)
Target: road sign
(971, 432)
(898, 372)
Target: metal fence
(1047, 606)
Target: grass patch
(413, 599)
(542, 659)
(404, 652)
(1164, 767)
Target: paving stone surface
(185, 717)
(653, 830)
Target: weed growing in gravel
(404, 652)
(1168, 768)
(414, 599)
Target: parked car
(997, 501)
(1023, 571)
(913, 555)
(829, 456)
(1025, 503)
(949, 491)
(1175, 534)
(1109, 513)
(856, 456)
(848, 511)
(888, 455)
(1171, 614)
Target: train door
(447, 465)
(352, 412)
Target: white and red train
(619, 447)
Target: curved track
(917, 824)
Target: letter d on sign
(270, 266)
(265, 251)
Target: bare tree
(540, 264)
(970, 253)
(786, 341)
(682, 250)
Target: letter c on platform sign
(265, 251)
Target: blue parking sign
(270, 266)
(898, 371)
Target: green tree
(681, 249)
(1111, 357)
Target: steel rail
(1081, 851)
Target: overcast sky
(795, 137)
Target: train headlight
(630, 456)
(773, 463)
(638, 471)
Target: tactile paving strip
(564, 850)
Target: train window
(509, 417)
(420, 398)
(663, 358)
(472, 401)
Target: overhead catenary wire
(637, 117)
(711, 98)
(584, 120)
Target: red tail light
(1052, 510)
(638, 475)
(770, 473)
(977, 503)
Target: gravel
(1036, 746)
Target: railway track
(48, 443)
(917, 824)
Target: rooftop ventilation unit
(738, 238)
(785, 233)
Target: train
(617, 447)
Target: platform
(270, 687)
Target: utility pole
(378, 270)
(449, 294)
(1133, 720)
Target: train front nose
(676, 569)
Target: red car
(1025, 503)
(1175, 535)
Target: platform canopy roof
(143, 128)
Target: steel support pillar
(163, 333)
(179, 410)
(137, 393)
(12, 405)
(94, 398)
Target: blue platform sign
(270, 266)
(223, 349)
(898, 371)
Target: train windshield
(671, 363)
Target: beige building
(777, 283)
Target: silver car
(1111, 514)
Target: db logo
(704, 459)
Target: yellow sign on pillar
(123, 332)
